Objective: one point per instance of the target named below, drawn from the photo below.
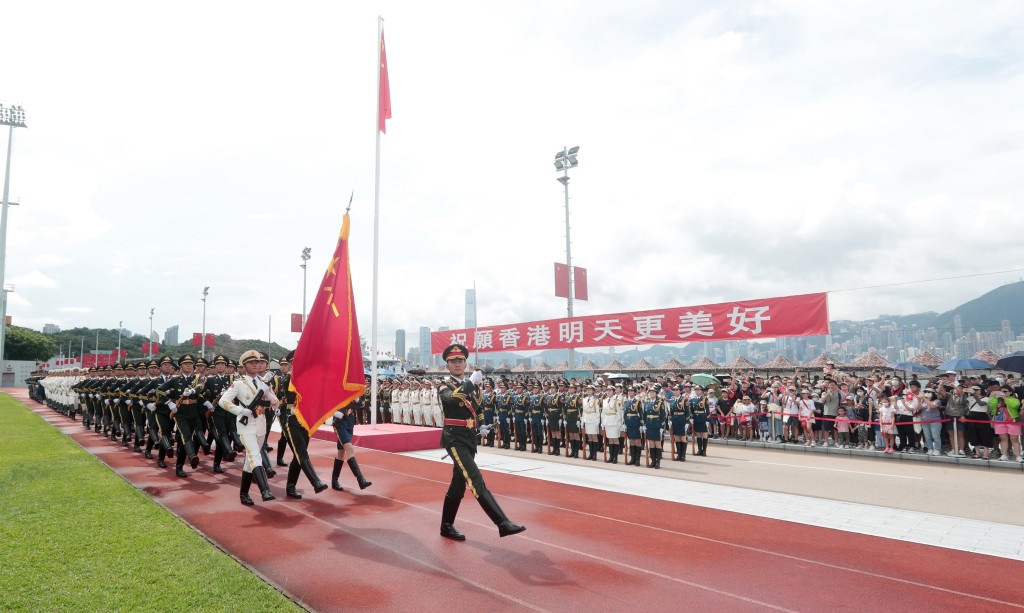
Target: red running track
(584, 549)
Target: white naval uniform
(406, 406)
(435, 407)
(611, 416)
(253, 433)
(417, 408)
(591, 415)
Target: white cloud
(728, 150)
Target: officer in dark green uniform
(181, 395)
(460, 403)
(296, 436)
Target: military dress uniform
(679, 418)
(572, 419)
(590, 415)
(297, 437)
(460, 402)
(699, 413)
(632, 421)
(537, 420)
(503, 414)
(654, 417)
(182, 395)
(611, 423)
(489, 405)
(250, 399)
(222, 423)
(520, 413)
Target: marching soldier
(249, 398)
(344, 424)
(460, 401)
(295, 435)
(161, 412)
(204, 433)
(222, 423)
(182, 394)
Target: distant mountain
(987, 311)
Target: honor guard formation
(181, 408)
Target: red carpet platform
(388, 437)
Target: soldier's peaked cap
(455, 351)
(251, 356)
(287, 359)
(201, 361)
(188, 358)
(220, 359)
(166, 360)
(152, 364)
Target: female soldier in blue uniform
(503, 405)
(632, 420)
(654, 423)
(679, 415)
(520, 408)
(699, 410)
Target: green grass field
(75, 537)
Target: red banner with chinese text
(804, 315)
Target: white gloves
(339, 415)
(151, 406)
(476, 377)
(485, 430)
(579, 424)
(208, 405)
(106, 401)
(188, 392)
(267, 377)
(246, 413)
(173, 407)
(544, 421)
(643, 428)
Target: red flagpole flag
(327, 371)
(384, 93)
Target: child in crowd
(762, 419)
(887, 422)
(843, 428)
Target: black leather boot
(236, 443)
(335, 473)
(244, 492)
(682, 451)
(354, 465)
(280, 454)
(260, 477)
(293, 478)
(190, 453)
(268, 468)
(490, 506)
(656, 457)
(448, 513)
(310, 472)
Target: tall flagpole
(376, 240)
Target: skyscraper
(400, 343)
(171, 336)
(425, 357)
(471, 308)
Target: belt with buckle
(465, 423)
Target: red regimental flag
(197, 339)
(384, 93)
(327, 372)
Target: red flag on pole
(384, 92)
(197, 339)
(579, 283)
(561, 280)
(327, 371)
(211, 339)
(296, 322)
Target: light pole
(151, 332)
(120, 324)
(564, 160)
(202, 348)
(305, 258)
(12, 117)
